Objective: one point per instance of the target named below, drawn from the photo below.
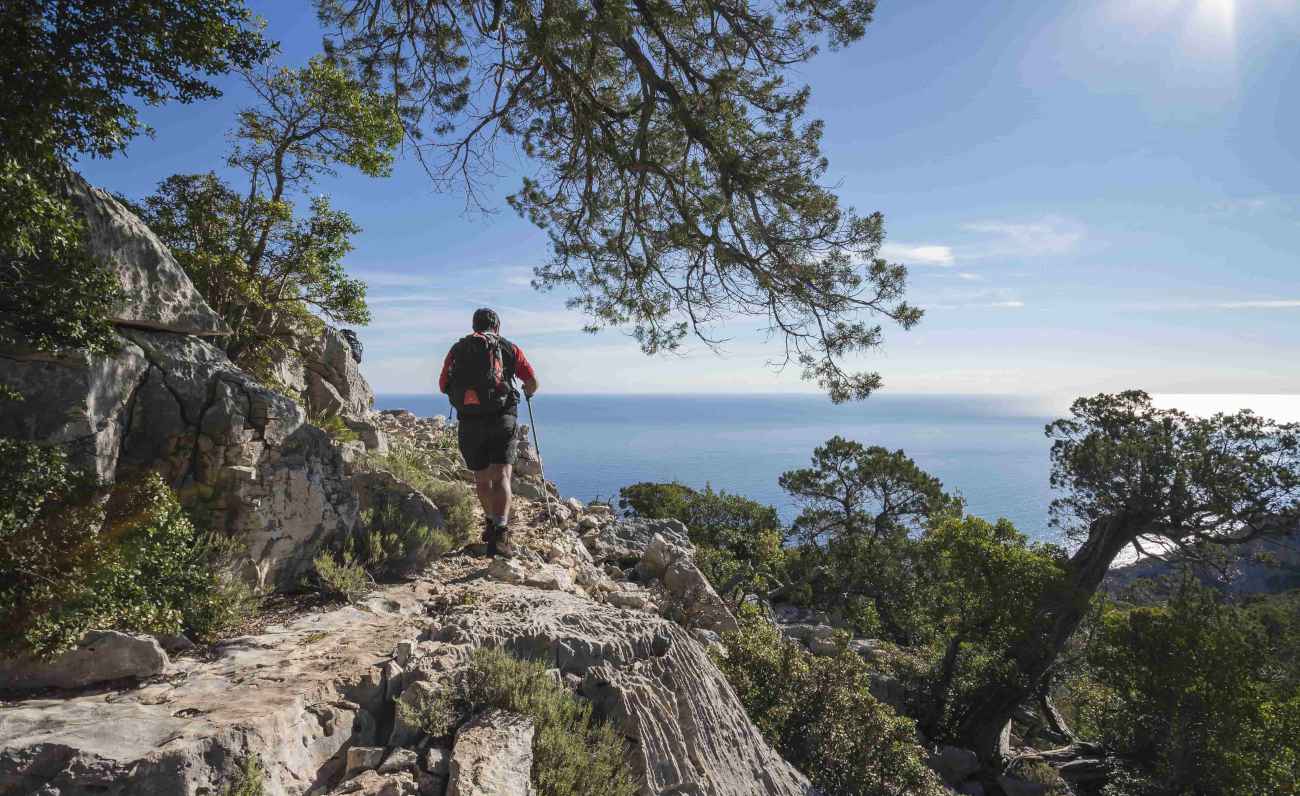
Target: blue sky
(1090, 195)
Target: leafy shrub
(818, 712)
(126, 557)
(341, 575)
(1190, 693)
(457, 502)
(1041, 773)
(336, 428)
(248, 780)
(421, 467)
(574, 754)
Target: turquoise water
(989, 449)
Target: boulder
(101, 656)
(333, 377)
(373, 783)
(159, 294)
(492, 756)
(1014, 786)
(628, 539)
(528, 463)
(399, 760)
(953, 763)
(363, 758)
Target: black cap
(485, 320)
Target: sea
(989, 449)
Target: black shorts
(488, 440)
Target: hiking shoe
(492, 535)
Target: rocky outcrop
(333, 384)
(159, 295)
(240, 455)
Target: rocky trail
(313, 699)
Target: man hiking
(478, 376)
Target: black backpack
(482, 372)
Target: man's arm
(524, 370)
(445, 376)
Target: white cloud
(1008, 304)
(913, 254)
(1050, 235)
(1251, 304)
(969, 277)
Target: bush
(336, 428)
(81, 556)
(574, 754)
(457, 502)
(341, 576)
(248, 780)
(1190, 694)
(819, 714)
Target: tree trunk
(1061, 610)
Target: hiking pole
(537, 446)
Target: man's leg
(483, 488)
(500, 492)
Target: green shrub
(818, 712)
(248, 780)
(574, 754)
(1041, 773)
(341, 575)
(1193, 695)
(457, 502)
(420, 467)
(81, 556)
(336, 428)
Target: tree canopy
(676, 174)
(73, 71)
(1133, 474)
(267, 272)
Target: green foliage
(456, 500)
(861, 507)
(53, 296)
(336, 428)
(127, 558)
(819, 714)
(986, 581)
(268, 273)
(341, 575)
(75, 74)
(248, 780)
(1172, 476)
(434, 473)
(574, 754)
(738, 540)
(1188, 693)
(681, 183)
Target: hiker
(478, 376)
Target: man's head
(485, 320)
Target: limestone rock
(333, 377)
(159, 295)
(373, 783)
(689, 732)
(493, 756)
(102, 655)
(628, 540)
(297, 697)
(399, 760)
(529, 462)
(953, 763)
(363, 758)
(78, 402)
(437, 760)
